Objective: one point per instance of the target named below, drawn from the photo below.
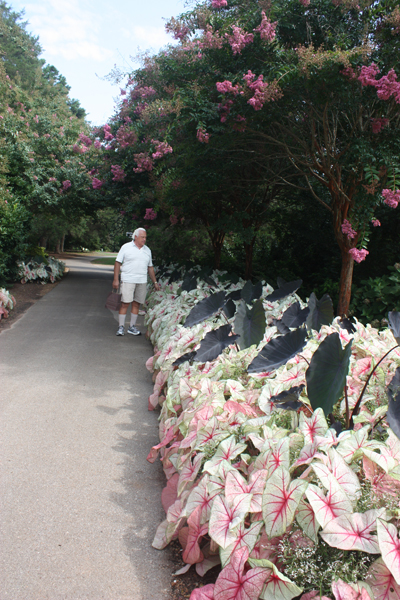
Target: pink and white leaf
(234, 583)
(353, 531)
(343, 591)
(227, 450)
(383, 459)
(236, 484)
(382, 582)
(351, 444)
(314, 595)
(389, 545)
(207, 564)
(204, 593)
(227, 517)
(246, 538)
(189, 472)
(192, 553)
(169, 493)
(279, 455)
(314, 426)
(306, 455)
(348, 484)
(280, 500)
(344, 475)
(277, 586)
(201, 496)
(305, 517)
(328, 507)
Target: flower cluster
(210, 39)
(126, 137)
(386, 87)
(305, 3)
(107, 132)
(66, 184)
(226, 87)
(150, 214)
(203, 136)
(219, 3)
(86, 141)
(391, 198)
(142, 92)
(378, 124)
(266, 29)
(162, 148)
(97, 144)
(394, 20)
(263, 91)
(143, 161)
(348, 230)
(239, 39)
(97, 183)
(179, 30)
(376, 223)
(7, 302)
(225, 109)
(358, 255)
(118, 173)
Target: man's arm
(117, 268)
(153, 278)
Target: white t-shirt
(134, 263)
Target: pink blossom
(52, 179)
(305, 3)
(36, 135)
(126, 137)
(85, 139)
(358, 255)
(226, 86)
(173, 219)
(349, 72)
(66, 184)
(219, 3)
(225, 109)
(123, 92)
(35, 178)
(210, 39)
(267, 29)
(378, 124)
(97, 144)
(202, 136)
(97, 183)
(144, 162)
(107, 133)
(142, 92)
(238, 39)
(46, 135)
(348, 230)
(376, 223)
(368, 74)
(150, 214)
(263, 91)
(118, 173)
(128, 120)
(391, 198)
(162, 148)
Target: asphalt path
(79, 502)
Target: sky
(85, 39)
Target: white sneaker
(121, 330)
(134, 330)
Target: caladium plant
(247, 476)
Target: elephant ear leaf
(295, 316)
(210, 281)
(393, 412)
(346, 324)
(280, 281)
(205, 308)
(289, 399)
(189, 284)
(321, 312)
(214, 343)
(394, 324)
(250, 324)
(175, 275)
(280, 325)
(189, 356)
(285, 290)
(235, 295)
(278, 351)
(229, 309)
(326, 375)
(251, 292)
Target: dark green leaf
(189, 284)
(287, 288)
(278, 351)
(214, 343)
(346, 324)
(289, 405)
(229, 309)
(205, 308)
(189, 356)
(235, 295)
(250, 324)
(326, 375)
(295, 316)
(394, 324)
(280, 281)
(393, 412)
(251, 292)
(321, 312)
(289, 399)
(281, 327)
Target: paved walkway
(79, 502)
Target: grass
(107, 260)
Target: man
(134, 262)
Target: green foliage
(376, 296)
(13, 228)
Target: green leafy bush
(372, 300)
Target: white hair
(137, 231)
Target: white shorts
(133, 292)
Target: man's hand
(115, 284)
(157, 286)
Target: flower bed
(51, 270)
(284, 503)
(7, 303)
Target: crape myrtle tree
(323, 89)
(43, 177)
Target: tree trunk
(346, 278)
(43, 242)
(57, 248)
(62, 243)
(249, 248)
(217, 241)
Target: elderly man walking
(134, 263)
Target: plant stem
(347, 407)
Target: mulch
(25, 294)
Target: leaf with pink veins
(277, 586)
(314, 426)
(169, 493)
(207, 564)
(246, 538)
(204, 593)
(314, 595)
(192, 553)
(351, 444)
(382, 582)
(189, 472)
(280, 500)
(344, 591)
(389, 545)
(236, 484)
(234, 583)
(211, 432)
(384, 460)
(201, 497)
(353, 531)
(305, 517)
(328, 507)
(279, 455)
(227, 450)
(226, 518)
(307, 453)
(347, 482)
